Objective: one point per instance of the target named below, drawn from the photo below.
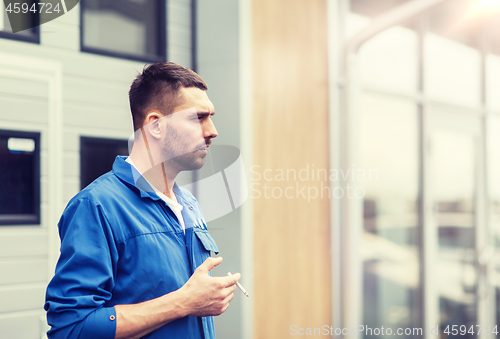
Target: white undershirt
(174, 205)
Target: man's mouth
(204, 147)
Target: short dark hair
(157, 88)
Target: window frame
(34, 38)
(161, 40)
(34, 218)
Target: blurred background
(368, 130)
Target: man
(135, 252)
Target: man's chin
(199, 164)
(194, 165)
(189, 162)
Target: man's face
(188, 131)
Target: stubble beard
(189, 162)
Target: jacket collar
(131, 176)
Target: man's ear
(152, 124)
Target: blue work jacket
(124, 245)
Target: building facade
(368, 133)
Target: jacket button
(191, 207)
(111, 317)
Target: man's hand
(205, 295)
(202, 295)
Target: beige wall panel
(70, 188)
(179, 56)
(60, 36)
(179, 3)
(23, 244)
(292, 267)
(23, 271)
(24, 87)
(44, 190)
(22, 298)
(44, 160)
(71, 164)
(179, 12)
(81, 90)
(179, 35)
(97, 116)
(71, 142)
(23, 109)
(44, 216)
(92, 66)
(16, 326)
(83, 65)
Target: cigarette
(239, 286)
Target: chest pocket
(199, 244)
(207, 240)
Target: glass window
(452, 71)
(22, 20)
(493, 81)
(454, 177)
(19, 178)
(494, 201)
(97, 156)
(354, 24)
(389, 60)
(133, 29)
(390, 244)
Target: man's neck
(160, 176)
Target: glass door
(455, 223)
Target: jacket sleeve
(84, 276)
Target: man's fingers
(228, 290)
(231, 279)
(229, 298)
(210, 263)
(224, 309)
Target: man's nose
(209, 130)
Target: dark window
(97, 156)
(131, 29)
(28, 19)
(19, 178)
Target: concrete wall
(219, 64)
